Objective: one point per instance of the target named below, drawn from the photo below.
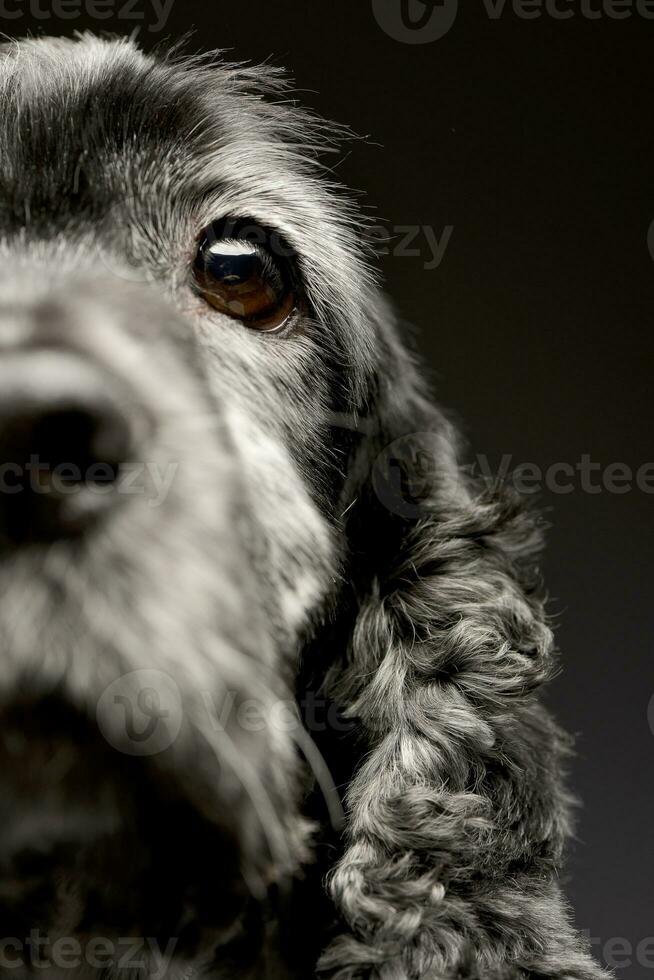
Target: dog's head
(194, 360)
(223, 492)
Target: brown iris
(244, 272)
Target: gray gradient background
(533, 139)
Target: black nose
(64, 435)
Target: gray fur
(272, 565)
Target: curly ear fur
(457, 815)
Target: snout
(111, 420)
(65, 433)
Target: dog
(271, 653)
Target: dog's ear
(456, 815)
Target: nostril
(84, 447)
(64, 438)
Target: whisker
(321, 771)
(259, 798)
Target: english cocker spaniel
(270, 655)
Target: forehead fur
(89, 101)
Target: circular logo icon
(415, 21)
(141, 713)
(405, 473)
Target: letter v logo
(415, 21)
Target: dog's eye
(245, 272)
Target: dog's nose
(64, 434)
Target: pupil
(233, 268)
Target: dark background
(533, 140)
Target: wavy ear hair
(456, 816)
